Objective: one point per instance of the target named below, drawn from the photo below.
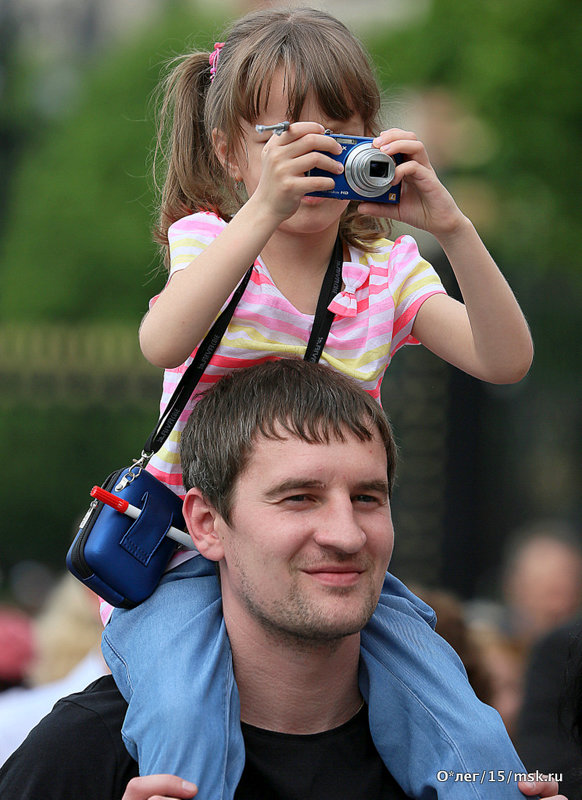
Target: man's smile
(343, 575)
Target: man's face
(310, 538)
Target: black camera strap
(183, 392)
(331, 285)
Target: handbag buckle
(133, 472)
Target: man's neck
(294, 686)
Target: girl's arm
(487, 336)
(191, 300)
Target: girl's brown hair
(317, 54)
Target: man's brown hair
(276, 399)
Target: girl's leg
(171, 659)
(432, 732)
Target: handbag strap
(189, 380)
(183, 392)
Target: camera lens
(368, 171)
(378, 169)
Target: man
(294, 507)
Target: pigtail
(187, 174)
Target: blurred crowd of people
(523, 651)
(520, 650)
(46, 657)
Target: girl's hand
(424, 201)
(286, 159)
(547, 789)
(159, 787)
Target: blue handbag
(119, 558)
(123, 559)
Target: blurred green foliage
(78, 244)
(517, 65)
(55, 458)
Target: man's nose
(339, 528)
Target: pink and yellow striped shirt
(375, 313)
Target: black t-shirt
(544, 741)
(76, 753)
(337, 764)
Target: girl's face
(315, 214)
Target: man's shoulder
(101, 696)
(75, 750)
(100, 708)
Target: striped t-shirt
(374, 315)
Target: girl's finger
(307, 142)
(414, 171)
(392, 134)
(547, 789)
(316, 159)
(412, 149)
(296, 131)
(169, 787)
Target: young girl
(234, 197)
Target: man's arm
(75, 752)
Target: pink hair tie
(213, 59)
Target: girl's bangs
(339, 89)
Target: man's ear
(202, 521)
(220, 145)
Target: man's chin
(320, 630)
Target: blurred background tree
(493, 89)
(498, 91)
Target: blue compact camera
(368, 172)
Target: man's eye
(366, 498)
(297, 498)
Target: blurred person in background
(542, 579)
(541, 589)
(16, 647)
(451, 625)
(503, 660)
(64, 657)
(539, 584)
(494, 662)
